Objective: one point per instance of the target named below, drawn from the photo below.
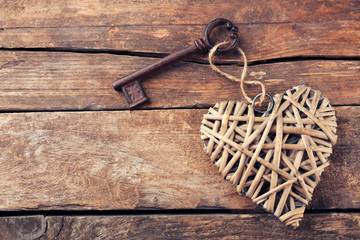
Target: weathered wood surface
(29, 227)
(56, 81)
(137, 160)
(151, 159)
(259, 41)
(269, 29)
(219, 226)
(45, 13)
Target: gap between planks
(149, 211)
(242, 226)
(202, 60)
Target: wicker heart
(276, 160)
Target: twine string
(235, 79)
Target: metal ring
(322, 96)
(233, 30)
(270, 107)
(311, 90)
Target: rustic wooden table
(76, 164)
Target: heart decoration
(275, 158)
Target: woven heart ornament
(275, 158)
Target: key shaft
(152, 68)
(130, 84)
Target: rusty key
(130, 84)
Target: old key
(130, 84)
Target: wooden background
(76, 164)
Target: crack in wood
(62, 224)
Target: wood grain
(27, 227)
(219, 226)
(268, 29)
(211, 227)
(45, 13)
(121, 160)
(73, 81)
(259, 41)
(139, 160)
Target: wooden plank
(137, 160)
(56, 81)
(268, 29)
(219, 226)
(98, 13)
(259, 41)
